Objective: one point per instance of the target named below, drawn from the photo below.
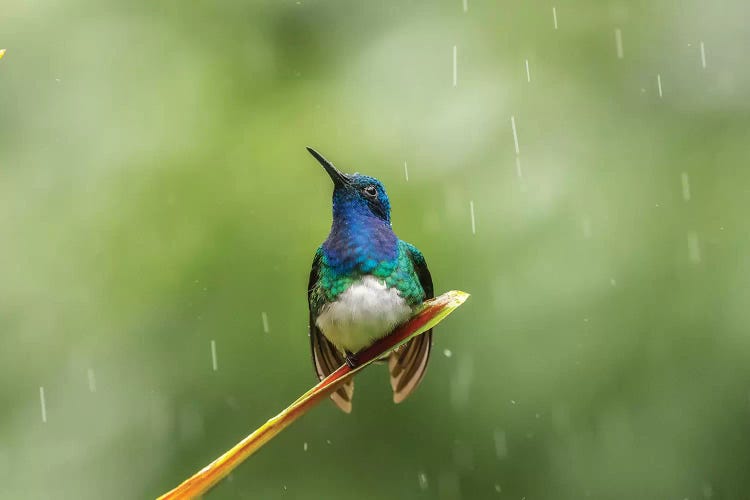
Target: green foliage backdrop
(155, 195)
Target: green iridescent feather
(399, 273)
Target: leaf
(432, 312)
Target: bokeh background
(155, 196)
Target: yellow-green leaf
(432, 312)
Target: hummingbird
(364, 282)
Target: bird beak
(339, 178)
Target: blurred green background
(155, 195)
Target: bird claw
(351, 360)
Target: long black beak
(339, 178)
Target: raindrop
(43, 403)
(658, 83)
(528, 74)
(448, 353)
(501, 444)
(613, 282)
(214, 361)
(703, 55)
(461, 382)
(423, 484)
(518, 167)
(554, 16)
(618, 43)
(264, 317)
(304, 446)
(92, 379)
(473, 221)
(466, 5)
(515, 135)
(685, 187)
(498, 488)
(455, 65)
(406, 171)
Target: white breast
(365, 312)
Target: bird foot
(351, 359)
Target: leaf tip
(459, 297)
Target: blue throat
(359, 240)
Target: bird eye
(370, 191)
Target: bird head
(356, 193)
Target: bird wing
(326, 358)
(408, 364)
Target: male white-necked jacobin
(364, 282)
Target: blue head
(361, 236)
(356, 195)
